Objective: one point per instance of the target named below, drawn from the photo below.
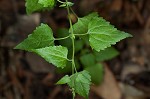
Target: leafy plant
(95, 33)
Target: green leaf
(78, 45)
(41, 37)
(81, 26)
(57, 55)
(97, 73)
(38, 5)
(85, 51)
(106, 54)
(87, 60)
(103, 35)
(81, 83)
(47, 3)
(64, 80)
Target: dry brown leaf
(109, 89)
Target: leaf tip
(64, 80)
(130, 35)
(16, 47)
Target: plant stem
(81, 34)
(62, 38)
(60, 1)
(73, 92)
(72, 38)
(73, 12)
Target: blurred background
(25, 75)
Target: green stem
(73, 12)
(72, 38)
(80, 34)
(60, 1)
(73, 64)
(62, 38)
(74, 94)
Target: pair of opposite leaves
(101, 35)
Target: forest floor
(26, 76)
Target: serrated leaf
(34, 5)
(106, 54)
(64, 80)
(41, 37)
(47, 3)
(57, 55)
(103, 35)
(81, 26)
(81, 83)
(97, 73)
(78, 45)
(87, 60)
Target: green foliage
(106, 54)
(39, 5)
(40, 38)
(97, 72)
(87, 60)
(68, 69)
(94, 68)
(78, 45)
(56, 55)
(103, 35)
(81, 26)
(96, 33)
(63, 32)
(64, 80)
(47, 3)
(80, 82)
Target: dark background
(26, 76)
